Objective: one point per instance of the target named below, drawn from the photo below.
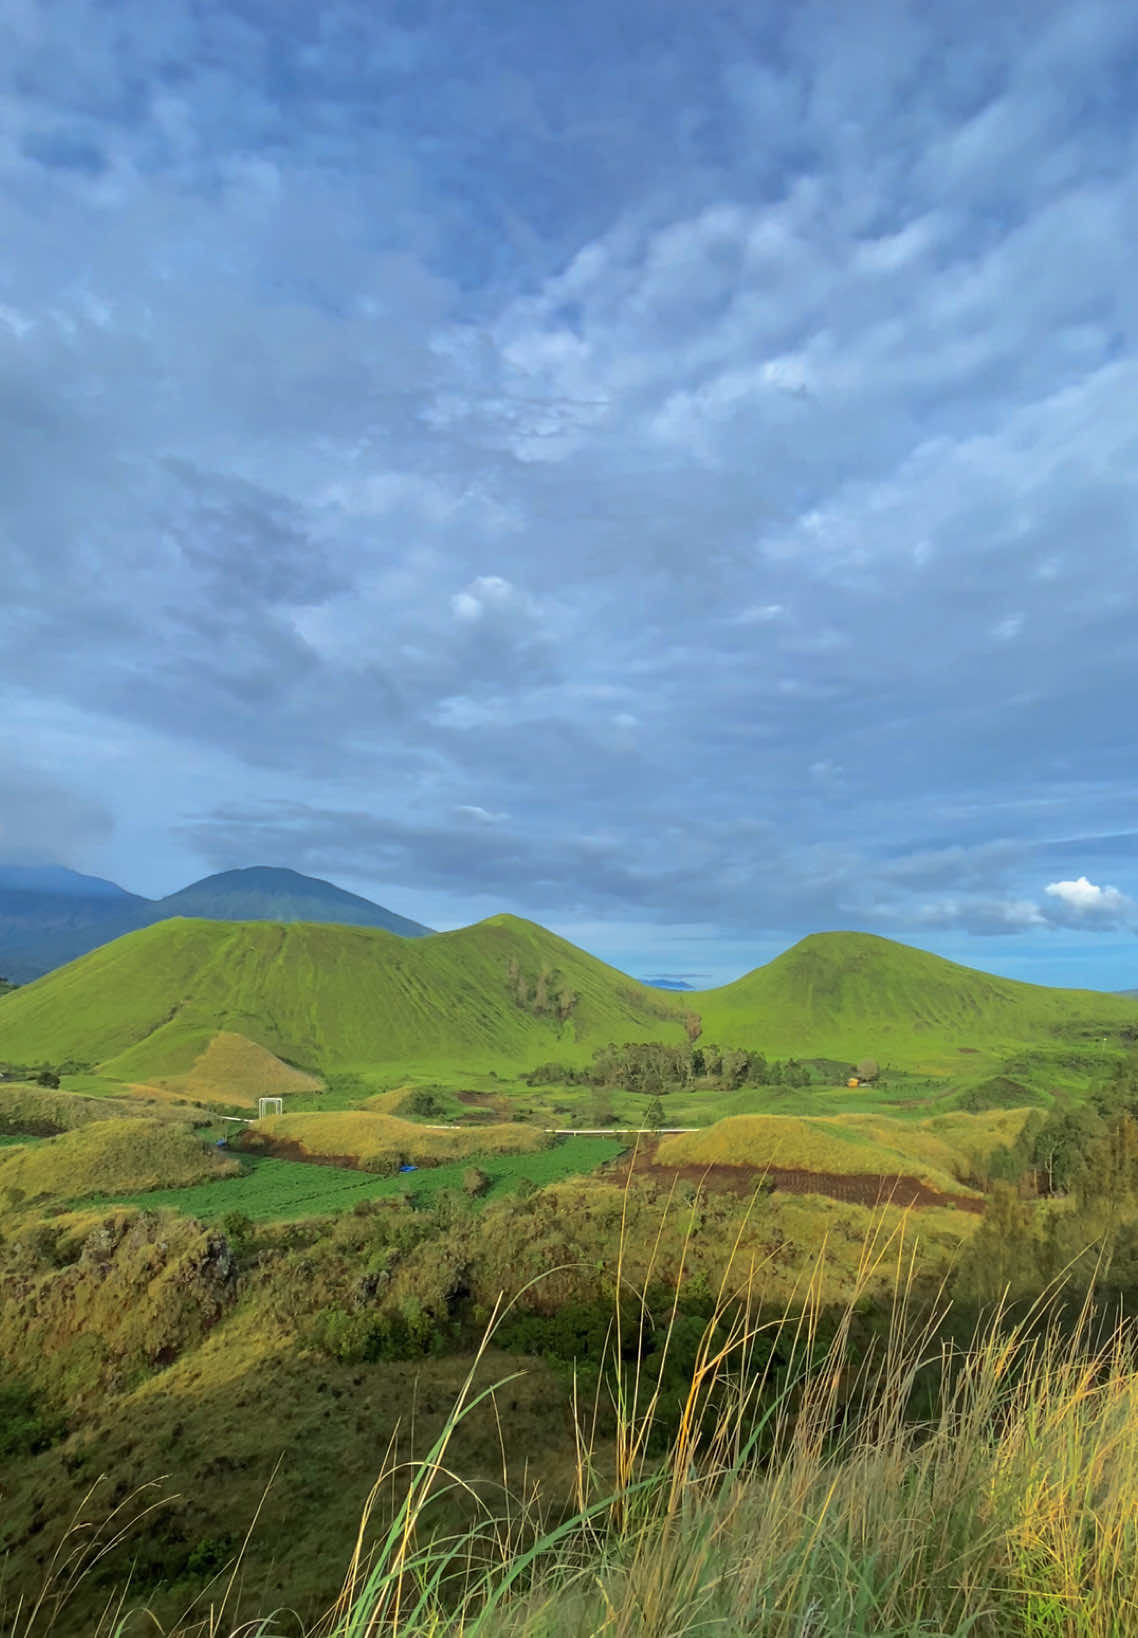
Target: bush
(237, 1228)
(422, 1105)
(476, 1182)
(47, 1077)
(382, 1165)
(26, 1427)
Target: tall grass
(797, 1497)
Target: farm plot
(272, 1189)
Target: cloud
(567, 503)
(1089, 902)
(42, 821)
(483, 816)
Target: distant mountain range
(50, 915)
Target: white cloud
(470, 810)
(1086, 898)
(465, 606)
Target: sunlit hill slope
(184, 993)
(853, 994)
(329, 998)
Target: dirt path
(858, 1188)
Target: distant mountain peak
(58, 880)
(49, 915)
(277, 893)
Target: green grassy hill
(327, 998)
(853, 995)
(158, 1004)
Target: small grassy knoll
(796, 1143)
(233, 1069)
(367, 1137)
(109, 1155)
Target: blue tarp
(408, 1168)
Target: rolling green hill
(328, 998)
(158, 1004)
(852, 995)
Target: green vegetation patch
(271, 1189)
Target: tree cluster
(655, 1067)
(544, 994)
(1054, 1149)
(1020, 1247)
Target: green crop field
(284, 1189)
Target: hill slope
(168, 1000)
(851, 995)
(326, 998)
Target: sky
(668, 471)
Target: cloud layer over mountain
(667, 469)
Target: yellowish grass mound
(109, 1157)
(979, 1134)
(364, 1136)
(389, 1103)
(811, 1144)
(952, 1143)
(39, 1110)
(234, 1069)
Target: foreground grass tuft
(797, 1497)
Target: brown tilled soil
(858, 1188)
(279, 1148)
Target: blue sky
(670, 471)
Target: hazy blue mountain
(50, 915)
(262, 893)
(668, 983)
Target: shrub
(476, 1182)
(422, 1105)
(26, 1426)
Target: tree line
(1063, 1203)
(654, 1067)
